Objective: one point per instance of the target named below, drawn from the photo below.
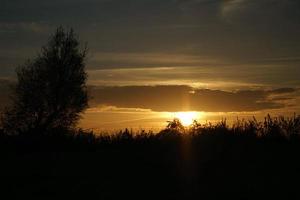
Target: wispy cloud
(230, 6)
(149, 59)
(225, 77)
(9, 27)
(260, 46)
(112, 109)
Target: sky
(149, 59)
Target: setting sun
(187, 118)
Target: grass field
(249, 160)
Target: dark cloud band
(184, 98)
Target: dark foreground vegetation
(250, 160)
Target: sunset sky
(150, 59)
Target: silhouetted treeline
(249, 160)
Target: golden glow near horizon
(187, 118)
(114, 119)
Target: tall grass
(250, 159)
(284, 128)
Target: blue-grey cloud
(227, 32)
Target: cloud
(114, 109)
(169, 33)
(260, 11)
(117, 60)
(182, 98)
(173, 98)
(283, 91)
(212, 76)
(230, 6)
(24, 26)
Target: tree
(175, 124)
(51, 91)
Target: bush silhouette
(245, 160)
(51, 90)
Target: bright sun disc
(186, 118)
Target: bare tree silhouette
(51, 91)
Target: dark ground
(212, 165)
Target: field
(249, 160)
